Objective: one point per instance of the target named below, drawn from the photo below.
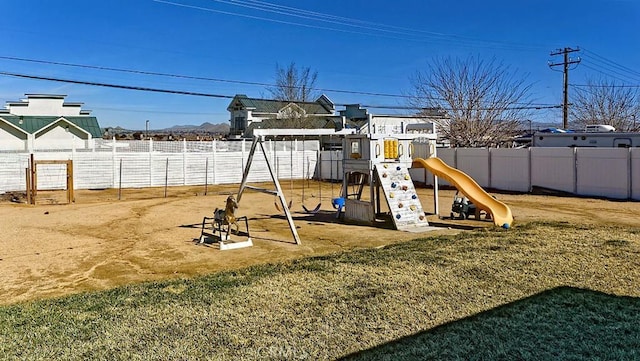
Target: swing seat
(314, 211)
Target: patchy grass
(538, 291)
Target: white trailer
(587, 139)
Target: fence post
(184, 162)
(530, 170)
(113, 162)
(213, 155)
(489, 165)
(150, 162)
(242, 160)
(575, 170)
(629, 175)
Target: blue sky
(226, 40)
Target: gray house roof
(31, 124)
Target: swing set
(281, 201)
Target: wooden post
(70, 192)
(34, 179)
(28, 181)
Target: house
(247, 113)
(45, 121)
(354, 116)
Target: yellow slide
(500, 212)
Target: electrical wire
(181, 76)
(370, 28)
(211, 95)
(612, 63)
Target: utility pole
(565, 93)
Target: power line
(142, 72)
(181, 76)
(210, 95)
(612, 63)
(117, 86)
(604, 86)
(371, 28)
(609, 72)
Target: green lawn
(537, 291)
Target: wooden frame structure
(32, 178)
(258, 139)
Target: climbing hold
(400, 205)
(414, 196)
(407, 177)
(398, 216)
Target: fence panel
(133, 170)
(475, 163)
(331, 167)
(167, 168)
(12, 171)
(93, 170)
(602, 172)
(510, 169)
(553, 168)
(635, 173)
(448, 155)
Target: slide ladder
(401, 196)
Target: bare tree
(485, 102)
(294, 84)
(603, 102)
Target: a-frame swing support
(257, 140)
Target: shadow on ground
(559, 324)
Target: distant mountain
(204, 127)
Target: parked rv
(587, 139)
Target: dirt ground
(106, 239)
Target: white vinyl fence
(599, 172)
(138, 164)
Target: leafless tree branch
(603, 102)
(484, 100)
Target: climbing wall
(401, 196)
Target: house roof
(31, 124)
(274, 106)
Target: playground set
(380, 164)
